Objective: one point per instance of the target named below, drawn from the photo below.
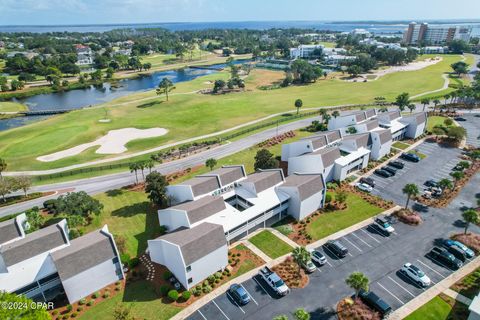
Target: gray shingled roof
(202, 185)
(371, 124)
(265, 179)
(33, 244)
(197, 242)
(361, 139)
(333, 135)
(360, 116)
(307, 184)
(329, 155)
(202, 208)
(420, 118)
(9, 230)
(385, 136)
(83, 253)
(319, 142)
(228, 175)
(392, 115)
(370, 113)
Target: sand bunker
(112, 143)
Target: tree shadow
(459, 223)
(323, 313)
(139, 291)
(114, 193)
(149, 104)
(132, 210)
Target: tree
(264, 160)
(211, 163)
(354, 70)
(457, 176)
(456, 133)
(410, 190)
(165, 86)
(341, 197)
(445, 183)
(335, 113)
(35, 220)
(458, 46)
(24, 183)
(448, 122)
(156, 187)
(469, 216)
(79, 203)
(218, 85)
(150, 164)
(460, 67)
(304, 72)
(402, 100)
(411, 107)
(122, 313)
(27, 313)
(109, 73)
(425, 102)
(3, 167)
(6, 186)
(301, 314)
(301, 256)
(298, 104)
(134, 168)
(436, 102)
(357, 281)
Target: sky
(58, 12)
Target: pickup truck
(274, 281)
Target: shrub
(90, 303)
(74, 314)
(69, 308)
(54, 312)
(217, 280)
(186, 295)
(79, 309)
(106, 294)
(197, 292)
(218, 275)
(166, 275)
(134, 262)
(117, 283)
(173, 295)
(82, 301)
(96, 295)
(65, 316)
(164, 290)
(211, 279)
(207, 289)
(125, 258)
(117, 288)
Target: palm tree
(402, 100)
(425, 101)
(357, 281)
(410, 190)
(469, 216)
(301, 256)
(301, 314)
(142, 166)
(298, 104)
(411, 107)
(150, 163)
(3, 167)
(436, 102)
(164, 87)
(457, 176)
(335, 113)
(445, 183)
(134, 168)
(447, 96)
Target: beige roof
(201, 208)
(265, 179)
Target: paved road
(109, 182)
(378, 256)
(472, 125)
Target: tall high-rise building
(423, 33)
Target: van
(375, 302)
(337, 248)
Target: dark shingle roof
(360, 116)
(385, 136)
(202, 185)
(319, 142)
(307, 184)
(83, 253)
(197, 242)
(333, 135)
(33, 244)
(361, 139)
(370, 113)
(392, 115)
(265, 179)
(420, 117)
(9, 230)
(371, 124)
(202, 208)
(329, 155)
(227, 175)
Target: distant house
(2, 45)
(84, 55)
(45, 264)
(304, 51)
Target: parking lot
(437, 165)
(473, 129)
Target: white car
(384, 225)
(416, 274)
(309, 266)
(318, 257)
(364, 187)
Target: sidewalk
(442, 286)
(457, 296)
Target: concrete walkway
(435, 290)
(255, 250)
(457, 296)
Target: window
(190, 280)
(189, 268)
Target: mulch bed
(471, 240)
(408, 216)
(288, 271)
(348, 309)
(276, 140)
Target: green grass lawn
(140, 296)
(435, 121)
(400, 145)
(127, 213)
(469, 286)
(419, 154)
(270, 244)
(11, 106)
(187, 115)
(435, 309)
(331, 222)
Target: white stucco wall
(208, 265)
(414, 130)
(295, 149)
(173, 219)
(180, 193)
(91, 280)
(302, 209)
(305, 164)
(169, 255)
(341, 122)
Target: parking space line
(325, 248)
(390, 293)
(201, 314)
(441, 275)
(260, 286)
(353, 234)
(253, 299)
(329, 263)
(235, 302)
(221, 309)
(370, 235)
(398, 284)
(352, 244)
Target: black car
(396, 164)
(337, 248)
(457, 253)
(375, 302)
(410, 157)
(368, 181)
(460, 119)
(382, 173)
(446, 258)
(390, 170)
(431, 183)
